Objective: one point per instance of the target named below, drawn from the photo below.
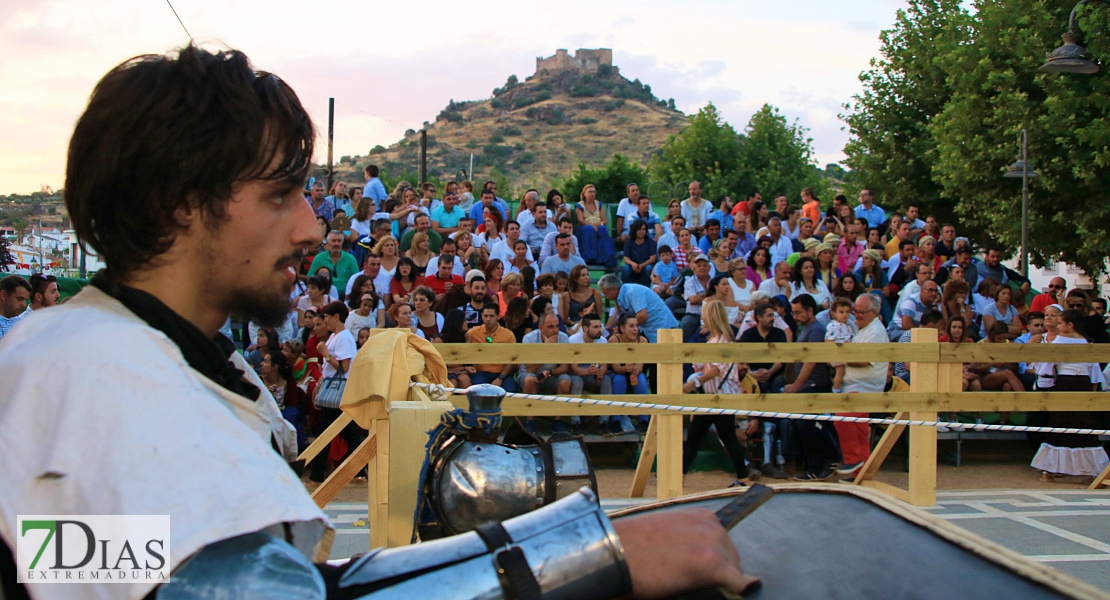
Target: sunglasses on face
(1055, 287)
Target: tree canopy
(610, 180)
(772, 155)
(973, 83)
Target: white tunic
(108, 407)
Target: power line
(179, 21)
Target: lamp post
(1071, 57)
(1023, 169)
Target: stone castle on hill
(585, 60)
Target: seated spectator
(593, 237)
(815, 441)
(580, 299)
(400, 317)
(450, 250)
(364, 314)
(454, 332)
(316, 297)
(629, 378)
(563, 260)
(672, 228)
(548, 250)
(648, 308)
(596, 378)
(645, 215)
(292, 401)
(1000, 311)
(997, 376)
(779, 284)
(764, 332)
(665, 274)
(930, 319)
(444, 279)
(305, 374)
(956, 333)
(804, 280)
(545, 288)
(493, 272)
(516, 318)
(405, 279)
(541, 307)
(428, 324)
(466, 250)
(862, 377)
(265, 342)
(720, 290)
(511, 287)
(909, 313)
(685, 251)
(548, 378)
(1093, 326)
(695, 290)
(520, 259)
(639, 255)
(491, 332)
(759, 266)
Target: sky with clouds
(391, 66)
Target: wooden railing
(394, 449)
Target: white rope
(441, 392)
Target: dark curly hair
(164, 133)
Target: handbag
(330, 391)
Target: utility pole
(423, 156)
(331, 134)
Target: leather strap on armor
(517, 580)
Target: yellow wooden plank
(687, 353)
(894, 492)
(881, 451)
(379, 533)
(967, 353)
(345, 472)
(325, 438)
(821, 403)
(924, 377)
(409, 423)
(669, 467)
(647, 459)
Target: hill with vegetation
(533, 133)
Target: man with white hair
(862, 377)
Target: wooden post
(647, 459)
(669, 470)
(409, 423)
(1102, 479)
(925, 377)
(881, 451)
(345, 472)
(325, 438)
(377, 479)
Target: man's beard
(267, 309)
(479, 297)
(264, 307)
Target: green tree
(707, 150)
(997, 90)
(611, 180)
(20, 225)
(777, 156)
(892, 150)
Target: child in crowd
(562, 282)
(839, 331)
(665, 273)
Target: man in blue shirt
(499, 201)
(866, 210)
(645, 214)
(712, 234)
(641, 301)
(445, 218)
(374, 188)
(488, 200)
(563, 260)
(533, 232)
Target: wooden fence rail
(936, 374)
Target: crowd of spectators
(466, 266)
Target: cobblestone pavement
(1067, 530)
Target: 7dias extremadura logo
(93, 548)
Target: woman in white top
(363, 220)
(1068, 454)
(805, 281)
(720, 291)
(741, 288)
(715, 378)
(428, 323)
(386, 248)
(316, 296)
(337, 352)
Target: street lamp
(1071, 57)
(1023, 169)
